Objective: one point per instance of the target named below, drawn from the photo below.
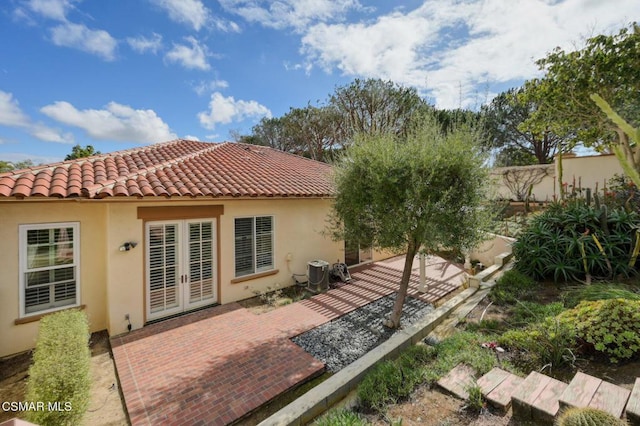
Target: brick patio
(214, 366)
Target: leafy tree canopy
(608, 65)
(79, 152)
(7, 166)
(516, 146)
(413, 192)
(375, 106)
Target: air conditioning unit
(318, 273)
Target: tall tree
(516, 146)
(79, 152)
(7, 166)
(608, 65)
(271, 132)
(318, 131)
(420, 191)
(376, 106)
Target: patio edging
(326, 394)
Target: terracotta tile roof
(176, 168)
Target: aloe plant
(578, 241)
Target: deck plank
(547, 404)
(500, 396)
(610, 398)
(580, 391)
(633, 405)
(524, 397)
(458, 380)
(492, 379)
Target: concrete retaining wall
(319, 399)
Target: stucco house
(140, 235)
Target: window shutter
(244, 246)
(264, 243)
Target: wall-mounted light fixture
(128, 246)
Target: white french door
(181, 266)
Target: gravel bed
(344, 340)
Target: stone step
(589, 391)
(497, 386)
(483, 276)
(537, 398)
(633, 405)
(502, 258)
(458, 380)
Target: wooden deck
(539, 398)
(589, 391)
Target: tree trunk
(394, 319)
(560, 177)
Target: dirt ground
(105, 408)
(428, 407)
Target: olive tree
(420, 191)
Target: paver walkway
(214, 366)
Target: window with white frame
(49, 267)
(253, 244)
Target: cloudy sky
(118, 74)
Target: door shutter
(163, 280)
(201, 261)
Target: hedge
(59, 379)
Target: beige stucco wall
(543, 189)
(298, 226)
(590, 170)
(93, 271)
(587, 171)
(113, 282)
(491, 247)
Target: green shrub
(587, 416)
(61, 369)
(486, 326)
(622, 192)
(598, 291)
(611, 327)
(550, 342)
(416, 356)
(392, 381)
(462, 347)
(571, 241)
(531, 312)
(511, 286)
(386, 384)
(340, 417)
(475, 401)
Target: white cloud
(227, 110)
(290, 13)
(226, 25)
(448, 49)
(11, 115)
(10, 112)
(114, 122)
(194, 57)
(48, 134)
(51, 9)
(190, 12)
(203, 87)
(142, 44)
(78, 36)
(191, 138)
